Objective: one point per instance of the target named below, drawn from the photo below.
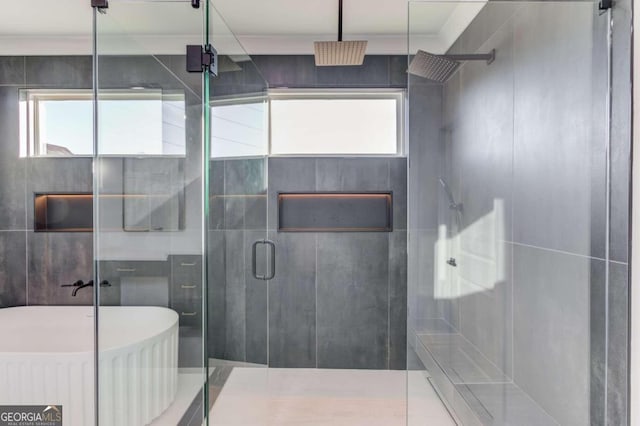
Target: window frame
(29, 120)
(334, 93)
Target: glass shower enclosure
(172, 221)
(515, 275)
(510, 263)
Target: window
(310, 122)
(59, 123)
(336, 123)
(239, 127)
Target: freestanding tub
(47, 358)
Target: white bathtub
(47, 357)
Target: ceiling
(238, 26)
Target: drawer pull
(188, 314)
(187, 286)
(188, 264)
(126, 269)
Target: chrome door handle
(254, 262)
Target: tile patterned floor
(319, 397)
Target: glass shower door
(149, 218)
(509, 249)
(240, 257)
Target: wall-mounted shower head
(452, 202)
(441, 67)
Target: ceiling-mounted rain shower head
(335, 53)
(441, 67)
(339, 53)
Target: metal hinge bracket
(200, 59)
(100, 4)
(605, 4)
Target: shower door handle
(272, 272)
(254, 261)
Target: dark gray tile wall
(304, 329)
(38, 263)
(338, 300)
(292, 302)
(238, 302)
(359, 277)
(300, 71)
(353, 300)
(551, 339)
(13, 268)
(530, 129)
(34, 264)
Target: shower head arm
(339, 20)
(489, 57)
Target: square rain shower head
(433, 67)
(334, 53)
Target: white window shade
(335, 126)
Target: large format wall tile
(216, 269)
(482, 137)
(288, 175)
(618, 344)
(55, 259)
(425, 163)
(292, 302)
(299, 71)
(553, 140)
(551, 331)
(597, 343)
(398, 185)
(353, 291)
(12, 70)
(256, 301)
(12, 169)
(66, 175)
(621, 126)
(235, 296)
(13, 271)
(536, 119)
(374, 72)
(74, 72)
(287, 70)
(352, 174)
(398, 300)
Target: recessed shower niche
(335, 212)
(63, 212)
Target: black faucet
(81, 284)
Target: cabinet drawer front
(189, 311)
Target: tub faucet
(80, 284)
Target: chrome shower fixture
(452, 202)
(441, 67)
(339, 53)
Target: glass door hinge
(605, 4)
(200, 59)
(100, 4)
